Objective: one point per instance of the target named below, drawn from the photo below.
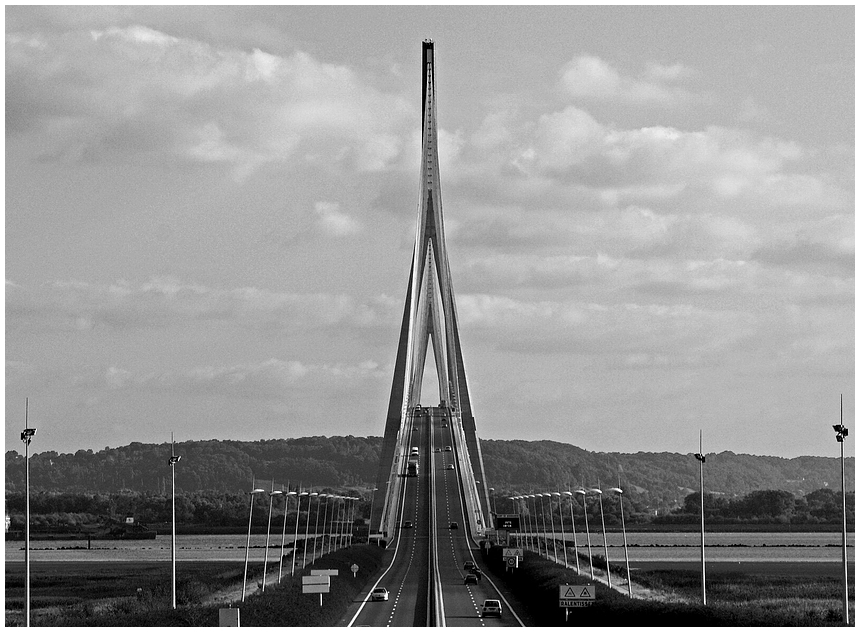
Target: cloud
(332, 221)
(168, 303)
(137, 93)
(589, 77)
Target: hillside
(656, 480)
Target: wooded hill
(657, 481)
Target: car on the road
(444, 425)
(469, 565)
(448, 448)
(450, 466)
(470, 579)
(407, 524)
(491, 608)
(379, 594)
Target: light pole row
(534, 541)
(341, 537)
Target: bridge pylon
(429, 321)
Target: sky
(210, 214)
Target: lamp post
(700, 457)
(618, 491)
(370, 517)
(573, 528)
(841, 433)
(552, 527)
(172, 461)
(333, 519)
(308, 526)
(26, 437)
(296, 539)
(325, 519)
(492, 491)
(599, 493)
(248, 544)
(543, 521)
(561, 522)
(587, 532)
(272, 495)
(317, 525)
(533, 514)
(284, 532)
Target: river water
(642, 547)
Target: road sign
(509, 522)
(512, 553)
(324, 571)
(316, 580)
(512, 561)
(568, 591)
(354, 569)
(575, 603)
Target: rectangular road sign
(324, 571)
(315, 588)
(575, 603)
(512, 553)
(569, 591)
(311, 580)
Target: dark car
(470, 579)
(454, 525)
(469, 565)
(407, 524)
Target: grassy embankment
(63, 598)
(735, 599)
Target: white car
(491, 608)
(450, 466)
(379, 594)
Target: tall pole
(317, 527)
(701, 458)
(307, 528)
(284, 532)
(603, 527)
(626, 558)
(272, 495)
(841, 433)
(331, 529)
(561, 522)
(573, 528)
(325, 519)
(587, 532)
(552, 528)
(172, 462)
(248, 544)
(26, 437)
(370, 518)
(299, 495)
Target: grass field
(98, 594)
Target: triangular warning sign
(584, 592)
(569, 593)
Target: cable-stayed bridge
(432, 504)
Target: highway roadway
(410, 578)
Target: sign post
(571, 596)
(316, 584)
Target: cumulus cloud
(166, 302)
(135, 92)
(333, 221)
(590, 77)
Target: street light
(573, 527)
(492, 491)
(552, 528)
(543, 520)
(296, 539)
(331, 526)
(172, 461)
(284, 532)
(587, 532)
(27, 436)
(370, 517)
(535, 537)
(700, 457)
(618, 491)
(599, 493)
(841, 433)
(308, 526)
(248, 544)
(325, 519)
(272, 495)
(561, 522)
